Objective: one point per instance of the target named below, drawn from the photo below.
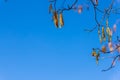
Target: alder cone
(103, 49)
(94, 54)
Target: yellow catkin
(61, 20)
(55, 18)
(103, 34)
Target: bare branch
(113, 62)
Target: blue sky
(31, 48)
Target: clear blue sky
(31, 48)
